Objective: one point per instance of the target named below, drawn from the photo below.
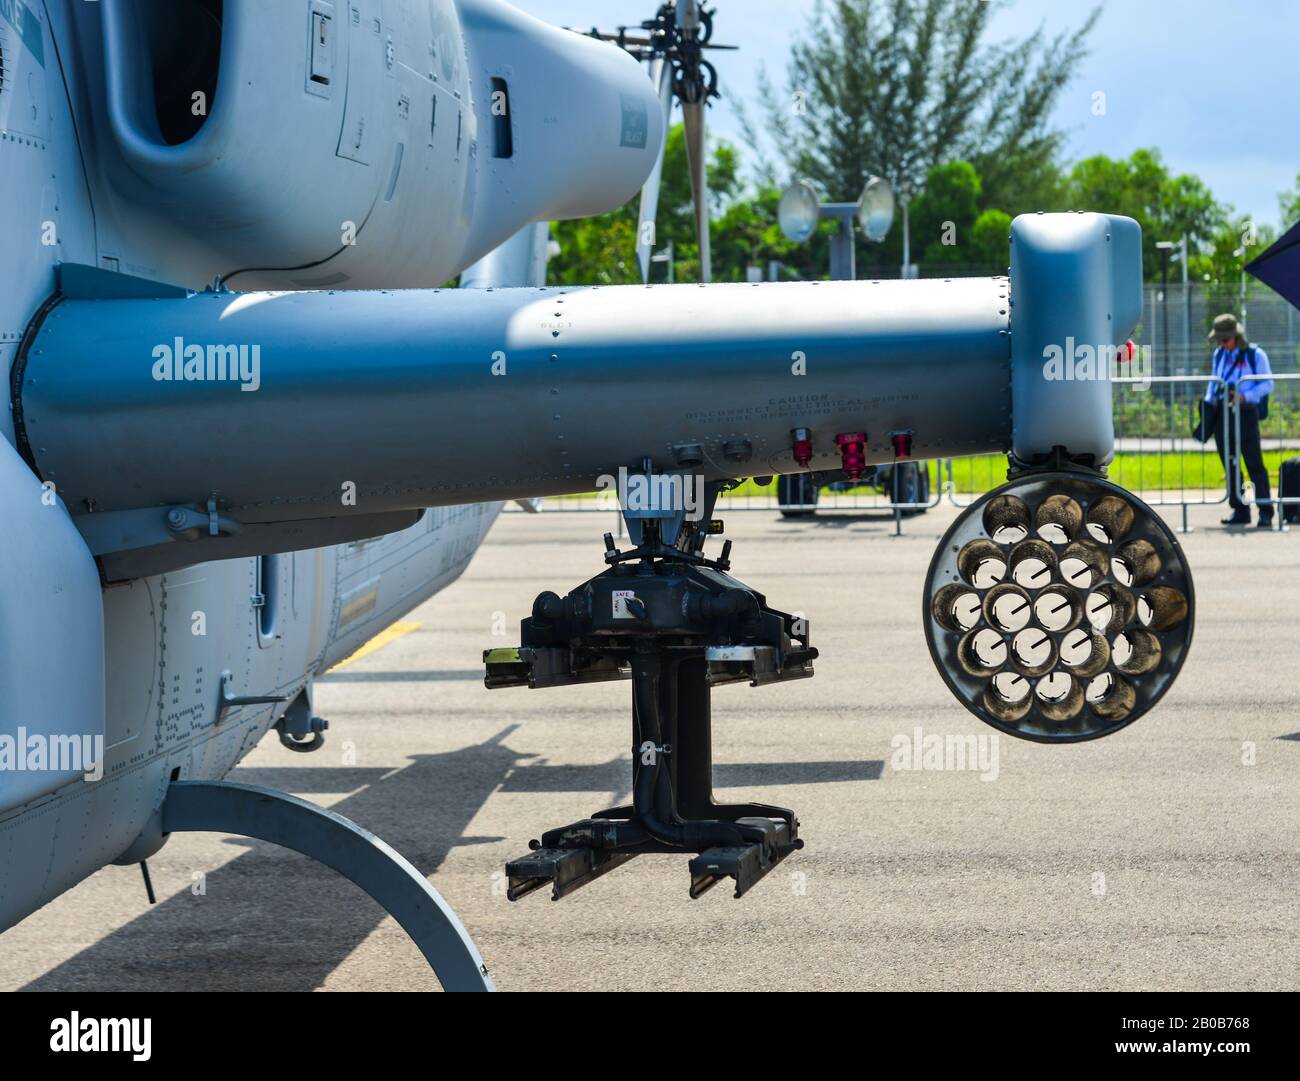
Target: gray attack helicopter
(248, 427)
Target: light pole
(1187, 304)
(905, 197)
(844, 256)
(1165, 248)
(666, 256)
(1241, 253)
(802, 208)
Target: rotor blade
(661, 72)
(697, 153)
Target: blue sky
(1214, 84)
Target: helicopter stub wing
(257, 408)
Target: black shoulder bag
(1206, 422)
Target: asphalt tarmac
(1164, 857)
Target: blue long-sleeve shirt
(1231, 365)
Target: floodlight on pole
(905, 197)
(799, 211)
(1166, 248)
(802, 207)
(876, 209)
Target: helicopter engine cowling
(411, 136)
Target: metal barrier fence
(1175, 322)
(891, 497)
(1156, 457)
(1176, 318)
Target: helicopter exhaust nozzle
(425, 135)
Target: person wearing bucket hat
(1234, 358)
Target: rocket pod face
(1059, 608)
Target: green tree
(1235, 243)
(602, 251)
(1037, 185)
(990, 241)
(896, 87)
(1290, 204)
(748, 234)
(595, 251)
(957, 227)
(943, 215)
(1141, 187)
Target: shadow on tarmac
(273, 920)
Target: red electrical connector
(853, 453)
(801, 446)
(902, 444)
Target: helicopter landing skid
(342, 846)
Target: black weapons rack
(678, 625)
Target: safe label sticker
(621, 597)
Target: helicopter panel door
(23, 58)
(366, 60)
